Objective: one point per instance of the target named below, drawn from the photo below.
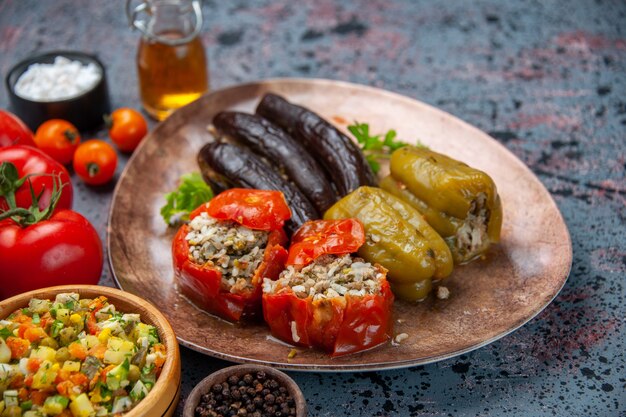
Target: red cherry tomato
(95, 162)
(59, 139)
(13, 131)
(255, 209)
(65, 249)
(320, 237)
(32, 161)
(127, 128)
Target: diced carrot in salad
(72, 357)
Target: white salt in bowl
(82, 104)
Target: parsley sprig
(192, 192)
(375, 147)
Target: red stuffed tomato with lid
(326, 298)
(229, 246)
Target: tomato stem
(70, 135)
(108, 121)
(10, 183)
(15, 212)
(92, 169)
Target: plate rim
(361, 366)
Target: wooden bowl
(222, 375)
(163, 398)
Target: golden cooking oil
(171, 63)
(170, 76)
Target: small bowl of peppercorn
(246, 391)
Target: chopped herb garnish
(26, 405)
(376, 147)
(56, 327)
(4, 333)
(153, 336)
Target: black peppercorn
(252, 395)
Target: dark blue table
(545, 78)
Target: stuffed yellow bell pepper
(398, 238)
(460, 202)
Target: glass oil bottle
(171, 61)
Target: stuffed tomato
(229, 246)
(326, 298)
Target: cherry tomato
(127, 128)
(65, 249)
(13, 131)
(255, 209)
(319, 237)
(59, 139)
(32, 161)
(95, 162)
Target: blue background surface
(545, 78)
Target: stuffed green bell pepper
(398, 238)
(460, 202)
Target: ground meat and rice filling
(235, 250)
(472, 235)
(329, 276)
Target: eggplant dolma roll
(326, 298)
(229, 246)
(460, 202)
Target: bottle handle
(139, 24)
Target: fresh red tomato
(42, 168)
(340, 325)
(320, 237)
(95, 162)
(127, 128)
(65, 249)
(13, 131)
(59, 139)
(255, 209)
(202, 284)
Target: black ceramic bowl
(84, 111)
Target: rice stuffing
(329, 276)
(472, 235)
(235, 250)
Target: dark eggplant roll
(267, 139)
(227, 165)
(338, 154)
(275, 108)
